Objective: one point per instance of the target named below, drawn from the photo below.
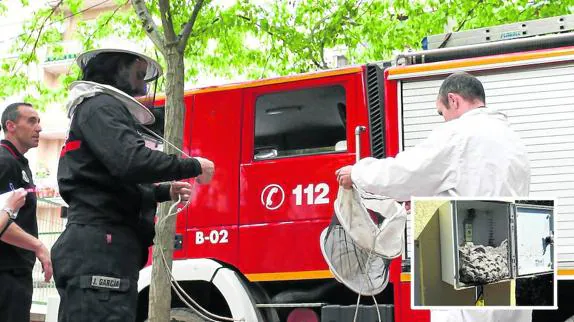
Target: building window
(300, 122)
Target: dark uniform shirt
(15, 173)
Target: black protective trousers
(96, 270)
(15, 295)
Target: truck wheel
(184, 315)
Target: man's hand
(407, 205)
(43, 256)
(16, 200)
(180, 188)
(344, 177)
(207, 171)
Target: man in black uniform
(19, 245)
(106, 175)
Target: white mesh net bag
(362, 271)
(365, 234)
(373, 222)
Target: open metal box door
(448, 252)
(534, 240)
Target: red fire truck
(248, 244)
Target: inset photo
(483, 253)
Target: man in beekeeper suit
(473, 154)
(106, 175)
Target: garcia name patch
(106, 282)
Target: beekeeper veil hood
(120, 73)
(125, 70)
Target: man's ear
(10, 126)
(453, 100)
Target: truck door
(295, 136)
(213, 131)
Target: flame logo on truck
(272, 197)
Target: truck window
(300, 122)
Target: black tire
(184, 315)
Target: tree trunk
(160, 288)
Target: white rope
(367, 263)
(179, 291)
(377, 307)
(357, 308)
(368, 279)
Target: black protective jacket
(15, 173)
(106, 172)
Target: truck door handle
(358, 130)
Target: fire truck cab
(247, 247)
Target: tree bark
(172, 48)
(160, 289)
(148, 24)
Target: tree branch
(225, 38)
(98, 27)
(148, 24)
(189, 26)
(53, 22)
(258, 25)
(322, 64)
(29, 36)
(367, 9)
(265, 66)
(273, 35)
(204, 29)
(315, 62)
(42, 27)
(326, 22)
(468, 15)
(166, 21)
(322, 55)
(39, 35)
(106, 22)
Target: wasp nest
(483, 264)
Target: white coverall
(476, 154)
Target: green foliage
(300, 31)
(74, 6)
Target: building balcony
(59, 64)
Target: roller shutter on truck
(539, 103)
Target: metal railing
(50, 226)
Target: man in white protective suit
(473, 154)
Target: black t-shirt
(15, 173)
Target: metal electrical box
(484, 242)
